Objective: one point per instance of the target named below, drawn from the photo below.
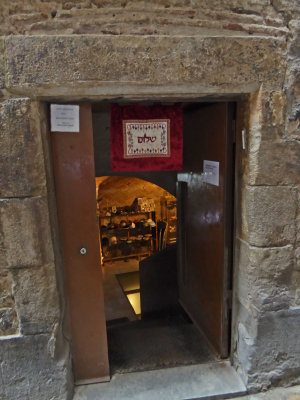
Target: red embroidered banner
(146, 138)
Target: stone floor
(116, 304)
(291, 393)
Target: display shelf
(126, 244)
(138, 255)
(126, 215)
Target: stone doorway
(252, 55)
(85, 348)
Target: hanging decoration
(146, 138)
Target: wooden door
(205, 239)
(73, 164)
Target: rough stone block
(212, 62)
(22, 170)
(6, 289)
(297, 256)
(263, 276)
(296, 300)
(274, 163)
(244, 350)
(269, 214)
(293, 99)
(286, 5)
(273, 158)
(267, 109)
(276, 359)
(36, 298)
(2, 69)
(35, 376)
(295, 282)
(294, 26)
(25, 238)
(9, 322)
(270, 353)
(292, 81)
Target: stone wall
(188, 17)
(267, 272)
(163, 49)
(34, 356)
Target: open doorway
(203, 254)
(156, 274)
(136, 220)
(146, 326)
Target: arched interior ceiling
(122, 190)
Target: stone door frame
(45, 118)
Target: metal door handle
(83, 251)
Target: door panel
(207, 223)
(73, 164)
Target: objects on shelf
(128, 231)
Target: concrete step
(217, 380)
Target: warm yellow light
(135, 301)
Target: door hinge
(244, 139)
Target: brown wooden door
(73, 163)
(206, 223)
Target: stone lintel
(137, 91)
(217, 62)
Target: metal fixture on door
(83, 251)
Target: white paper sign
(64, 118)
(211, 172)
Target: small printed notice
(64, 118)
(211, 172)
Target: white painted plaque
(64, 118)
(211, 172)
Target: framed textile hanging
(146, 138)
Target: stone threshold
(211, 381)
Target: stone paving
(291, 393)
